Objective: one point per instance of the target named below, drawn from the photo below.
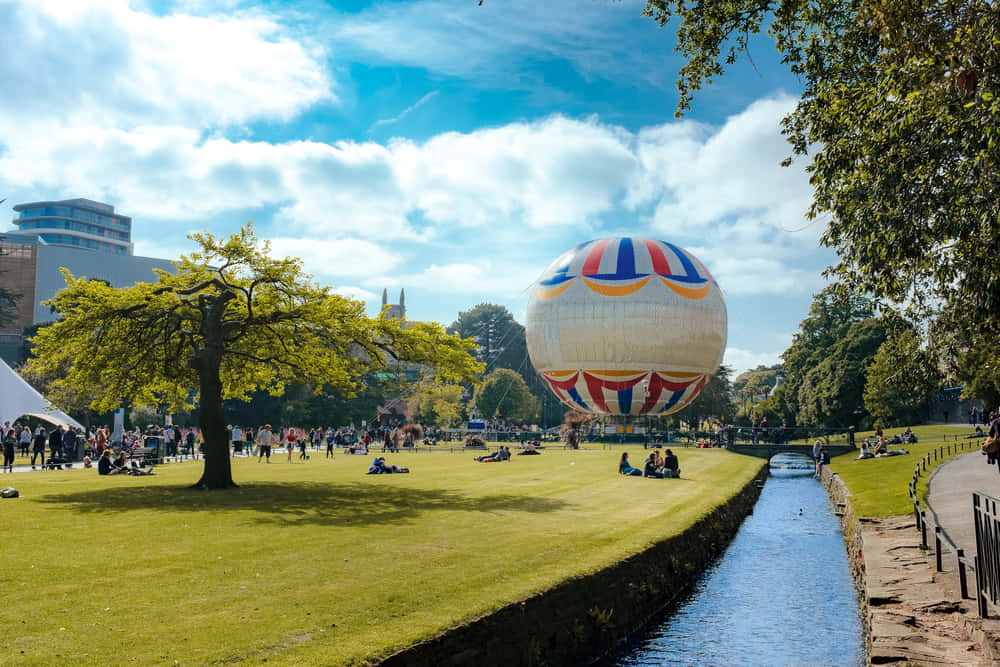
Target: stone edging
(586, 617)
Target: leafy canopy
(901, 114)
(264, 319)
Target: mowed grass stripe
(314, 562)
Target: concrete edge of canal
(911, 614)
(581, 619)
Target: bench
(145, 456)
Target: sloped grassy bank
(584, 617)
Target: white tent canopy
(19, 399)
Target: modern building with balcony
(80, 223)
(84, 236)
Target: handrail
(964, 562)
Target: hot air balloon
(626, 326)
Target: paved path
(949, 498)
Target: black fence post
(937, 547)
(923, 529)
(980, 598)
(962, 581)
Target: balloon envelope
(626, 326)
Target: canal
(782, 594)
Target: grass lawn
(316, 563)
(879, 487)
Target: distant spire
(385, 297)
(402, 301)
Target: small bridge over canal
(766, 450)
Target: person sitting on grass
(649, 468)
(671, 466)
(120, 465)
(529, 450)
(625, 468)
(490, 458)
(104, 466)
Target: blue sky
(440, 146)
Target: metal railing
(940, 539)
(987, 519)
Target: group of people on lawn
(656, 466)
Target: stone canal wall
(586, 616)
(850, 526)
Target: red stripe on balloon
(565, 385)
(660, 264)
(593, 263)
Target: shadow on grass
(301, 503)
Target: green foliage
(900, 378)
(831, 391)
(901, 115)
(505, 394)
(500, 340)
(501, 343)
(714, 402)
(438, 404)
(815, 364)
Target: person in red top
(290, 442)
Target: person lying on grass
(380, 467)
(502, 454)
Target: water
(782, 594)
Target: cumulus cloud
(101, 61)
(337, 258)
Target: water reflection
(781, 595)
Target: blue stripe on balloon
(575, 395)
(625, 401)
(625, 266)
(691, 273)
(676, 396)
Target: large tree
(500, 339)
(901, 378)
(504, 394)
(833, 312)
(901, 114)
(229, 321)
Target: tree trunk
(218, 473)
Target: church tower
(396, 310)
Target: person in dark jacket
(38, 447)
(55, 443)
(104, 465)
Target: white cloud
(695, 176)
(366, 209)
(740, 360)
(405, 112)
(100, 61)
(345, 257)
(487, 43)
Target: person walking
(8, 450)
(290, 442)
(38, 447)
(264, 441)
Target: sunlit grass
(879, 486)
(315, 562)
